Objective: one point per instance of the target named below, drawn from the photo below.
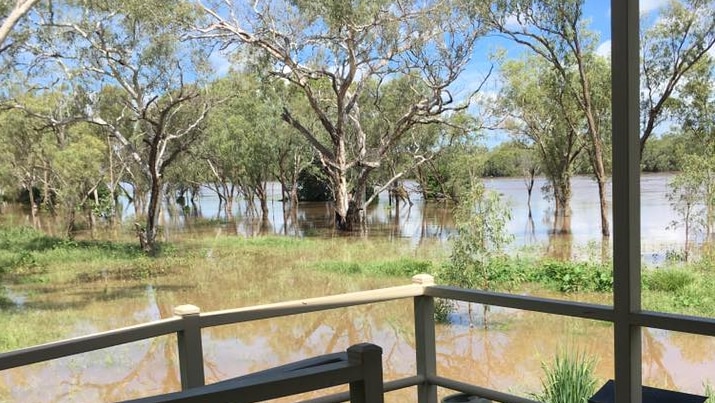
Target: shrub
(314, 186)
(574, 276)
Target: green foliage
(709, 391)
(313, 186)
(481, 233)
(507, 159)
(28, 255)
(573, 276)
(663, 154)
(451, 173)
(692, 196)
(668, 280)
(442, 309)
(568, 379)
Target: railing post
(369, 389)
(425, 349)
(191, 356)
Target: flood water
(434, 221)
(507, 356)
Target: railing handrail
(295, 307)
(360, 367)
(84, 344)
(188, 322)
(111, 338)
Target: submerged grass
(70, 280)
(38, 263)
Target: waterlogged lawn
(53, 288)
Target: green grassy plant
(709, 392)
(403, 267)
(568, 379)
(668, 280)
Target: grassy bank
(49, 287)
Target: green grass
(568, 379)
(668, 280)
(403, 267)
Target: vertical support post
(425, 349)
(370, 388)
(191, 356)
(625, 91)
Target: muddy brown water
(507, 356)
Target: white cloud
(220, 63)
(512, 22)
(646, 6)
(604, 49)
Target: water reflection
(530, 225)
(501, 357)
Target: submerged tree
(542, 112)
(481, 220)
(333, 51)
(555, 31)
(692, 196)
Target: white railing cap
(423, 279)
(184, 310)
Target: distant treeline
(661, 154)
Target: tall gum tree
(542, 112)
(156, 105)
(331, 50)
(11, 13)
(555, 31)
(672, 47)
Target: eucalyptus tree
(64, 163)
(331, 51)
(21, 154)
(695, 111)
(241, 145)
(79, 170)
(673, 46)
(294, 153)
(555, 31)
(11, 13)
(541, 112)
(157, 104)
